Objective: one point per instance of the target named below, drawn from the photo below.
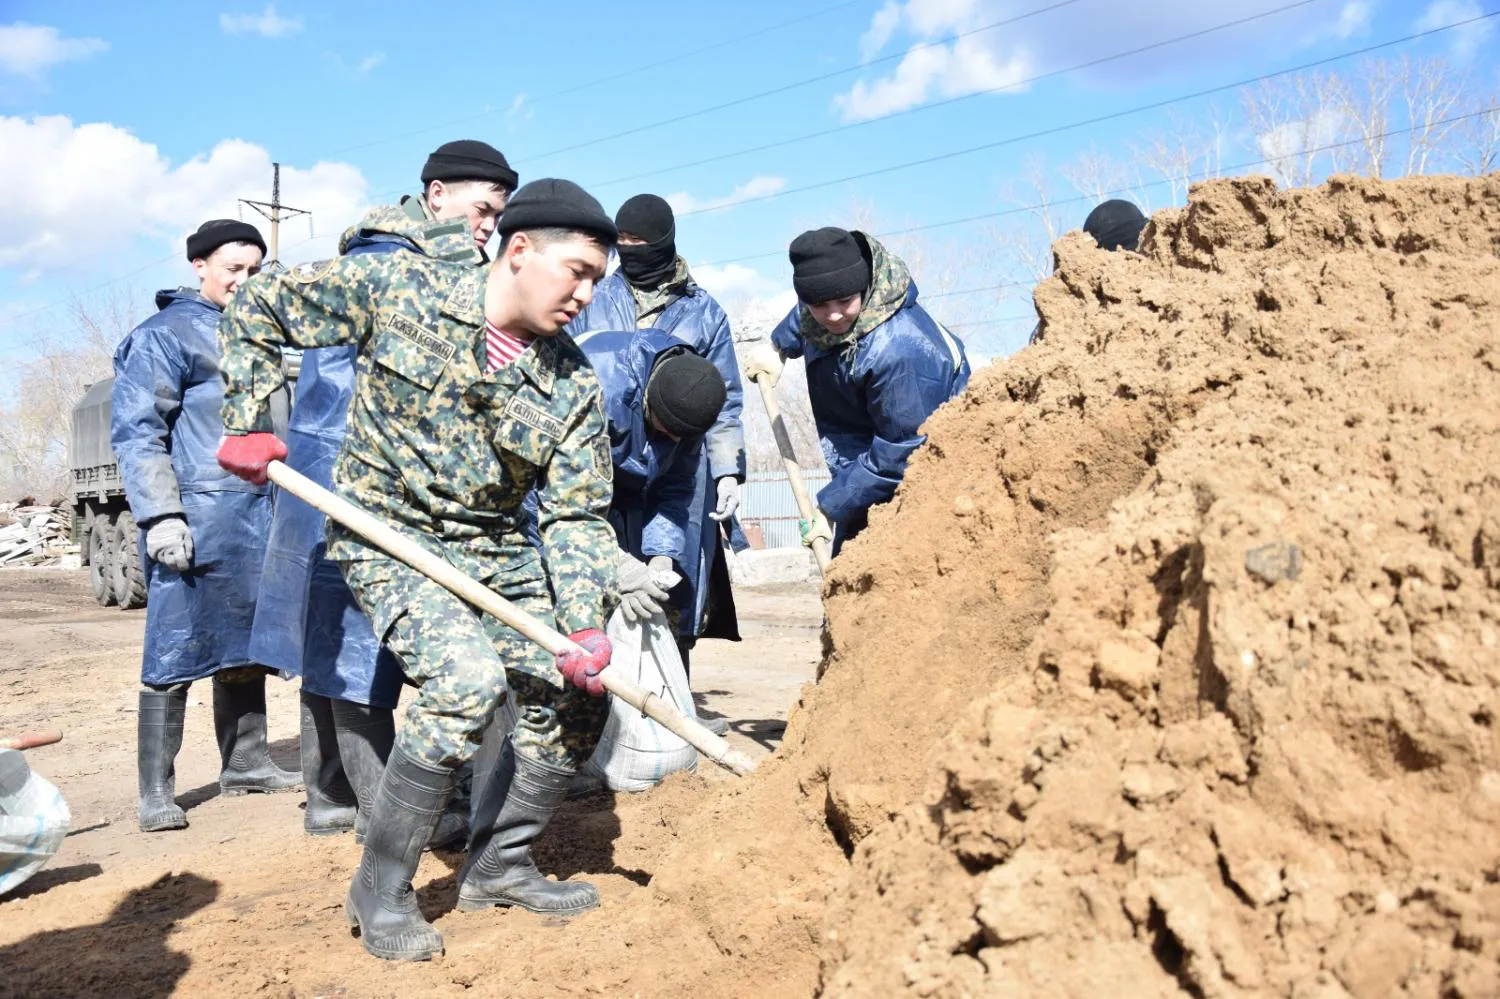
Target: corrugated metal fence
(768, 511)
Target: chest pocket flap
(526, 427)
(410, 349)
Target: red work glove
(247, 455)
(582, 669)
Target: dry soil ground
(242, 902)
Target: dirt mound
(1250, 748)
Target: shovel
(793, 470)
(393, 543)
(31, 740)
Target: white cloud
(756, 187)
(29, 50)
(752, 300)
(1354, 18)
(1468, 39)
(1001, 47)
(74, 194)
(267, 24)
(369, 62)
(880, 31)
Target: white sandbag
(33, 821)
(635, 753)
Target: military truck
(102, 524)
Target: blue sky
(121, 128)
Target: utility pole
(275, 210)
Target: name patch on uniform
(422, 338)
(545, 423)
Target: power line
(607, 79)
(1133, 188)
(817, 79)
(1099, 119)
(1028, 81)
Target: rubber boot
(159, 717)
(330, 798)
(452, 832)
(240, 724)
(381, 905)
(514, 808)
(365, 736)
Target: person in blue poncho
(877, 367)
(653, 289)
(203, 531)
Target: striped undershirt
(500, 347)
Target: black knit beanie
(1115, 225)
(650, 218)
(469, 159)
(550, 203)
(827, 264)
(216, 232)
(685, 393)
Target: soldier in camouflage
(466, 399)
(306, 620)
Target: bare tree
(1187, 150)
(1294, 120)
(1366, 105)
(1476, 139)
(1431, 91)
(36, 419)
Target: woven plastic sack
(635, 753)
(33, 821)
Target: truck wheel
(129, 577)
(101, 564)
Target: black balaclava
(650, 218)
(685, 392)
(1115, 225)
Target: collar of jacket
(889, 283)
(186, 296)
(649, 300)
(465, 303)
(449, 239)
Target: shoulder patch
(419, 336)
(542, 422)
(603, 465)
(312, 270)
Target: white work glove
(641, 598)
(169, 542)
(815, 529)
(729, 498)
(763, 361)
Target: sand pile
(1236, 736)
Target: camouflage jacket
(649, 302)
(409, 225)
(434, 445)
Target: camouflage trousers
(462, 663)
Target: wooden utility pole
(275, 211)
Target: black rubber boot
(381, 905)
(452, 832)
(365, 736)
(330, 798)
(240, 724)
(513, 809)
(159, 718)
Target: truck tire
(100, 533)
(129, 576)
